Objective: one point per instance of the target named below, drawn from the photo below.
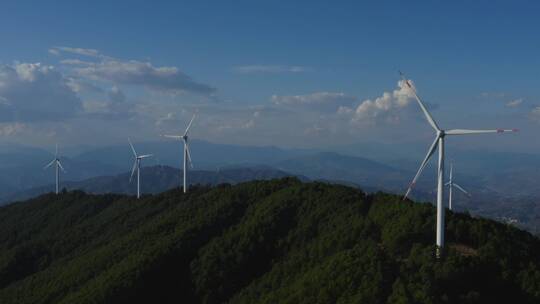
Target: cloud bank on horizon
(87, 91)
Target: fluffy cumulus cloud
(324, 101)
(514, 103)
(386, 107)
(35, 92)
(269, 69)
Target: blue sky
(302, 74)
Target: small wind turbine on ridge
(186, 152)
(57, 166)
(137, 167)
(451, 185)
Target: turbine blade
(422, 166)
(56, 153)
(133, 170)
(189, 155)
(145, 156)
(189, 125)
(467, 132)
(447, 184)
(60, 165)
(173, 136)
(461, 189)
(49, 164)
(424, 109)
(132, 148)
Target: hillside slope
(279, 241)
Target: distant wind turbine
(187, 153)
(451, 185)
(439, 140)
(57, 165)
(137, 166)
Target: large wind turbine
(451, 185)
(187, 153)
(57, 165)
(439, 141)
(137, 166)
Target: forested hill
(279, 241)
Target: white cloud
(75, 62)
(137, 73)
(269, 69)
(169, 117)
(107, 109)
(250, 124)
(386, 107)
(514, 103)
(77, 51)
(54, 52)
(116, 95)
(322, 101)
(342, 110)
(535, 113)
(314, 130)
(81, 86)
(11, 129)
(35, 92)
(493, 95)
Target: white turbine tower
(57, 165)
(451, 185)
(187, 153)
(137, 166)
(439, 141)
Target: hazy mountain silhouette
(156, 179)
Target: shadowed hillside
(278, 241)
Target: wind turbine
(137, 166)
(451, 185)
(439, 141)
(57, 165)
(187, 153)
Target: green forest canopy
(279, 241)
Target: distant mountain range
(366, 173)
(154, 179)
(503, 185)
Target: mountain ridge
(257, 242)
